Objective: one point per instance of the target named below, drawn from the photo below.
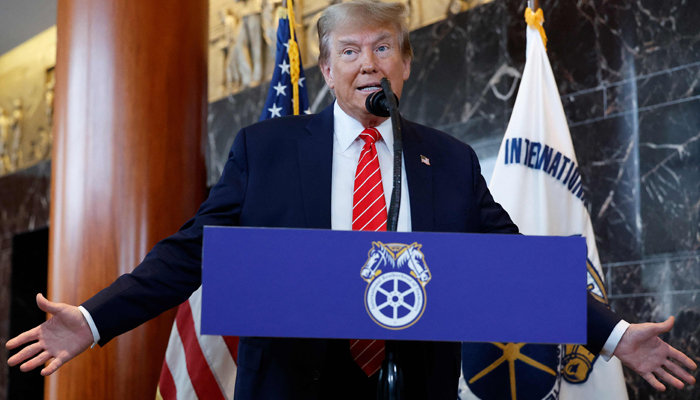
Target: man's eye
(348, 52)
(382, 48)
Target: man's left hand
(642, 350)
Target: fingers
(679, 372)
(26, 337)
(649, 377)
(666, 377)
(35, 362)
(52, 367)
(45, 305)
(682, 358)
(26, 353)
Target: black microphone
(377, 103)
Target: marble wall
(629, 75)
(24, 207)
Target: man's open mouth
(370, 88)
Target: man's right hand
(65, 335)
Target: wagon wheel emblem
(395, 299)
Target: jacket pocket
(249, 356)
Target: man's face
(359, 59)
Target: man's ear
(406, 68)
(327, 74)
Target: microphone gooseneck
(386, 104)
(392, 104)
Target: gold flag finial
(535, 20)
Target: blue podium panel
(393, 285)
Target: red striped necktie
(368, 214)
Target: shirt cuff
(93, 328)
(614, 339)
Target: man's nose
(368, 63)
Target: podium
(298, 283)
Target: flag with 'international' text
(538, 182)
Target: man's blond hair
(363, 13)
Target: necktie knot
(370, 135)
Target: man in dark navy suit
(300, 172)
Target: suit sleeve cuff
(614, 339)
(96, 334)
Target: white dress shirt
(347, 147)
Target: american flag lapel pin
(424, 160)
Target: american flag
(280, 96)
(204, 366)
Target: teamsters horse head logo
(396, 276)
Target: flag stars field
(275, 111)
(280, 88)
(284, 66)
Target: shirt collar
(347, 129)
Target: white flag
(537, 180)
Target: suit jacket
(278, 174)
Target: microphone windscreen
(376, 104)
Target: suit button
(316, 375)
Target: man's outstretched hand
(65, 335)
(642, 350)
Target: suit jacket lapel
(315, 164)
(420, 178)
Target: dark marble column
(24, 207)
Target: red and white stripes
(369, 205)
(196, 366)
(368, 354)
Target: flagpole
(533, 4)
